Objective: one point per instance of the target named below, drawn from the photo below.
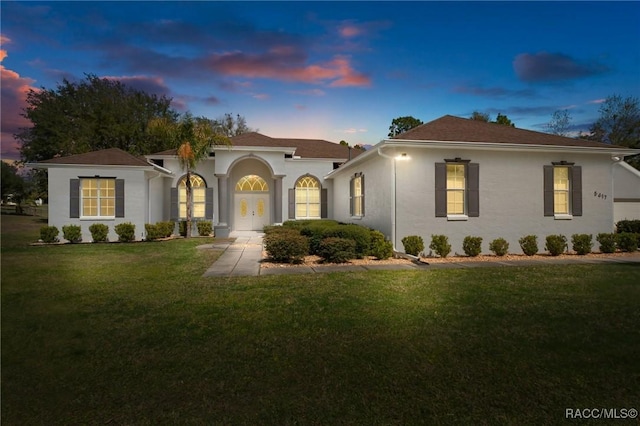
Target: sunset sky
(331, 70)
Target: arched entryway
(251, 203)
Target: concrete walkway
(242, 258)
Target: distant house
(451, 176)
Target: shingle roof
(455, 129)
(305, 148)
(105, 157)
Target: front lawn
(132, 334)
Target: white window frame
(199, 190)
(357, 199)
(302, 196)
(453, 216)
(566, 192)
(99, 197)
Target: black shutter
(576, 191)
(323, 203)
(174, 204)
(548, 191)
(362, 194)
(208, 203)
(119, 197)
(473, 184)
(441, 190)
(292, 203)
(74, 198)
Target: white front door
(251, 211)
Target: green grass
(132, 334)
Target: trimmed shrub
(152, 231)
(315, 231)
(499, 246)
(581, 243)
(413, 244)
(299, 224)
(440, 245)
(165, 229)
(472, 246)
(529, 244)
(380, 248)
(337, 250)
(49, 234)
(556, 244)
(626, 241)
(204, 229)
(607, 242)
(126, 232)
(359, 234)
(99, 232)
(72, 233)
(286, 245)
(632, 226)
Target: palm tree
(193, 137)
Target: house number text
(599, 195)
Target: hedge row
(554, 244)
(335, 242)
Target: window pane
(357, 186)
(357, 206)
(183, 209)
(314, 211)
(561, 202)
(107, 187)
(561, 178)
(455, 202)
(301, 210)
(313, 195)
(455, 176)
(107, 207)
(90, 188)
(182, 195)
(198, 195)
(90, 207)
(198, 210)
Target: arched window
(252, 183)
(198, 196)
(307, 198)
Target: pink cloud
(13, 95)
(348, 31)
(597, 101)
(287, 64)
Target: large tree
(230, 126)
(193, 138)
(619, 124)
(402, 124)
(504, 120)
(559, 124)
(92, 114)
(480, 116)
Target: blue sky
(331, 70)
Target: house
(450, 176)
(256, 181)
(460, 177)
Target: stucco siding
(378, 201)
(626, 184)
(135, 200)
(511, 198)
